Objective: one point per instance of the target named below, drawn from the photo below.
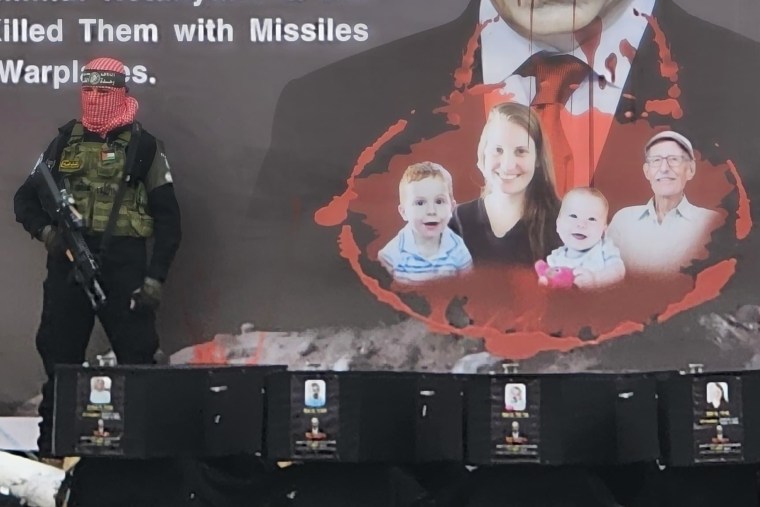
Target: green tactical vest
(92, 172)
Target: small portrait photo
(100, 390)
(314, 433)
(716, 395)
(720, 437)
(514, 437)
(100, 431)
(315, 393)
(515, 397)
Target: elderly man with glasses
(668, 232)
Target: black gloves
(147, 296)
(52, 240)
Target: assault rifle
(60, 206)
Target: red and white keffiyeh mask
(105, 103)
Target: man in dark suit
(327, 118)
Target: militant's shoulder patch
(160, 171)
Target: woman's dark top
(470, 221)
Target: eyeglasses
(673, 160)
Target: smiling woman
(513, 222)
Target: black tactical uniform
(91, 169)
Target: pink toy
(556, 278)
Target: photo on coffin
(314, 432)
(315, 393)
(100, 390)
(101, 431)
(717, 395)
(515, 397)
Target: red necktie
(557, 77)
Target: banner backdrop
(478, 168)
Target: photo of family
(507, 226)
(520, 218)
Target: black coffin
(355, 417)
(152, 411)
(710, 418)
(582, 419)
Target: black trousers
(68, 319)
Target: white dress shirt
(504, 51)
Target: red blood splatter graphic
(463, 74)
(505, 305)
(665, 107)
(668, 68)
(589, 38)
(627, 50)
(610, 63)
(707, 287)
(336, 212)
(743, 217)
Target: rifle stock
(60, 206)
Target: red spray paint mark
(209, 353)
(215, 352)
(743, 216)
(336, 212)
(674, 91)
(260, 340)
